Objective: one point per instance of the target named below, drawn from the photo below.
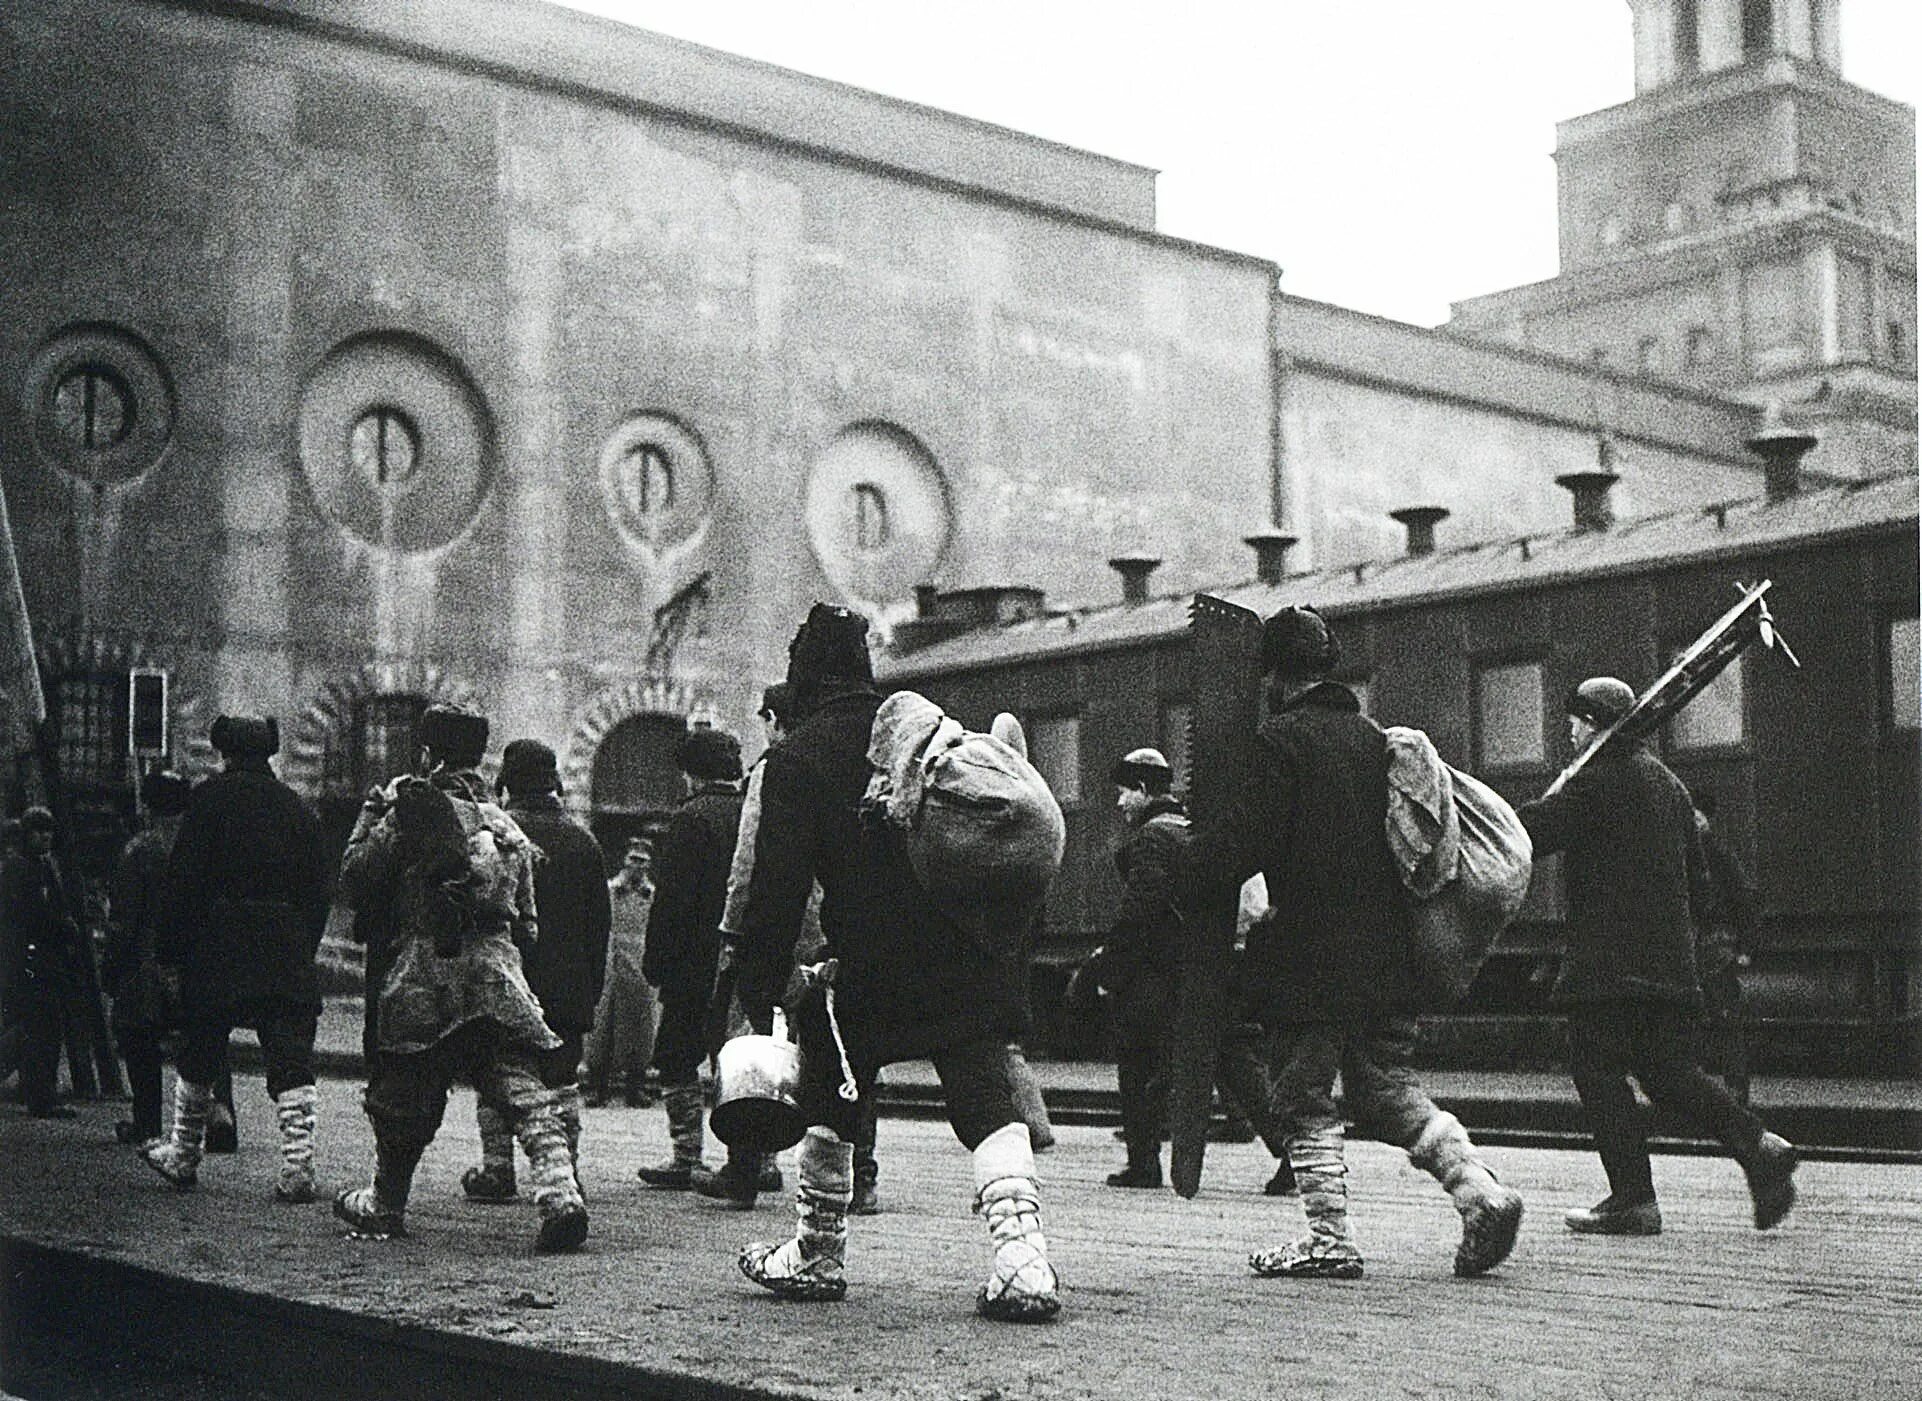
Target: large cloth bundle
(979, 823)
(1464, 855)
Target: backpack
(1464, 856)
(979, 824)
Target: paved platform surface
(1159, 1302)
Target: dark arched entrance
(636, 779)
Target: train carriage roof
(1697, 535)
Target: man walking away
(142, 1008)
(1329, 978)
(684, 940)
(241, 920)
(1628, 979)
(454, 876)
(42, 939)
(566, 964)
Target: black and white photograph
(850, 701)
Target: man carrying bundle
(1329, 977)
(913, 979)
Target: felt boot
(735, 1186)
(1770, 1167)
(812, 1265)
(569, 1106)
(295, 1111)
(1022, 1287)
(1328, 1250)
(684, 1128)
(1143, 1170)
(493, 1179)
(177, 1157)
(1491, 1213)
(557, 1196)
(867, 1179)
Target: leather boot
(295, 1111)
(812, 1265)
(1328, 1250)
(177, 1157)
(684, 1128)
(1491, 1213)
(379, 1210)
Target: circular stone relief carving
(655, 481)
(100, 403)
(396, 442)
(878, 513)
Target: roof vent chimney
(1781, 449)
(1593, 508)
(1421, 522)
(1134, 571)
(1271, 549)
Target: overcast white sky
(1391, 155)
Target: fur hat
(238, 736)
(1601, 700)
(37, 819)
(831, 645)
(1297, 643)
(777, 703)
(165, 792)
(1146, 769)
(713, 755)
(528, 766)
(457, 736)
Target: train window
(1509, 729)
(1054, 744)
(1175, 719)
(1904, 674)
(1714, 719)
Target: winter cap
(1296, 642)
(165, 792)
(241, 735)
(1147, 769)
(36, 819)
(777, 703)
(714, 755)
(832, 644)
(456, 735)
(1601, 700)
(528, 766)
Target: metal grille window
(378, 744)
(92, 408)
(1054, 746)
(92, 727)
(1714, 718)
(1509, 730)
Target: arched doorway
(636, 780)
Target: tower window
(1757, 28)
(647, 479)
(1688, 44)
(1698, 348)
(92, 408)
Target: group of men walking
(488, 929)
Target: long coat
(426, 995)
(1311, 816)
(1628, 829)
(246, 895)
(691, 867)
(1145, 940)
(568, 963)
(912, 980)
(140, 1001)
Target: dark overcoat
(568, 963)
(1311, 816)
(691, 865)
(912, 979)
(1144, 943)
(246, 896)
(134, 901)
(1627, 828)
